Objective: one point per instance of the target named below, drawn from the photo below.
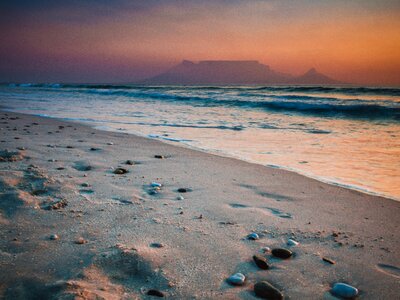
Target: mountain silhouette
(228, 72)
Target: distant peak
(312, 71)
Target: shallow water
(343, 135)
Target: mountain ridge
(233, 72)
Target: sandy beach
(89, 214)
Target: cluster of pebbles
(265, 290)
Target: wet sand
(72, 228)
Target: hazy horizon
(356, 42)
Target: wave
(301, 104)
(348, 90)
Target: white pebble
(292, 243)
(266, 249)
(156, 184)
(180, 198)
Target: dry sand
(106, 227)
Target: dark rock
(155, 293)
(261, 262)
(328, 260)
(282, 253)
(120, 171)
(156, 245)
(184, 190)
(159, 156)
(94, 149)
(130, 162)
(265, 290)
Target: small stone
(81, 241)
(253, 236)
(328, 260)
(184, 190)
(94, 149)
(120, 171)
(180, 197)
(156, 184)
(265, 290)
(156, 245)
(130, 162)
(54, 237)
(155, 293)
(236, 279)
(344, 290)
(266, 249)
(159, 156)
(85, 184)
(282, 253)
(292, 243)
(261, 262)
(110, 143)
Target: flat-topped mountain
(228, 72)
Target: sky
(121, 41)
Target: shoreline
(175, 220)
(223, 154)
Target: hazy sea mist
(343, 135)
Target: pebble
(184, 190)
(292, 243)
(180, 197)
(328, 260)
(120, 171)
(156, 184)
(253, 236)
(85, 184)
(282, 253)
(344, 290)
(156, 245)
(54, 237)
(236, 279)
(265, 290)
(261, 262)
(266, 249)
(155, 293)
(159, 156)
(110, 143)
(81, 241)
(130, 162)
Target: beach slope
(101, 215)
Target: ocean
(344, 135)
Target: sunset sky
(122, 41)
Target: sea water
(344, 135)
